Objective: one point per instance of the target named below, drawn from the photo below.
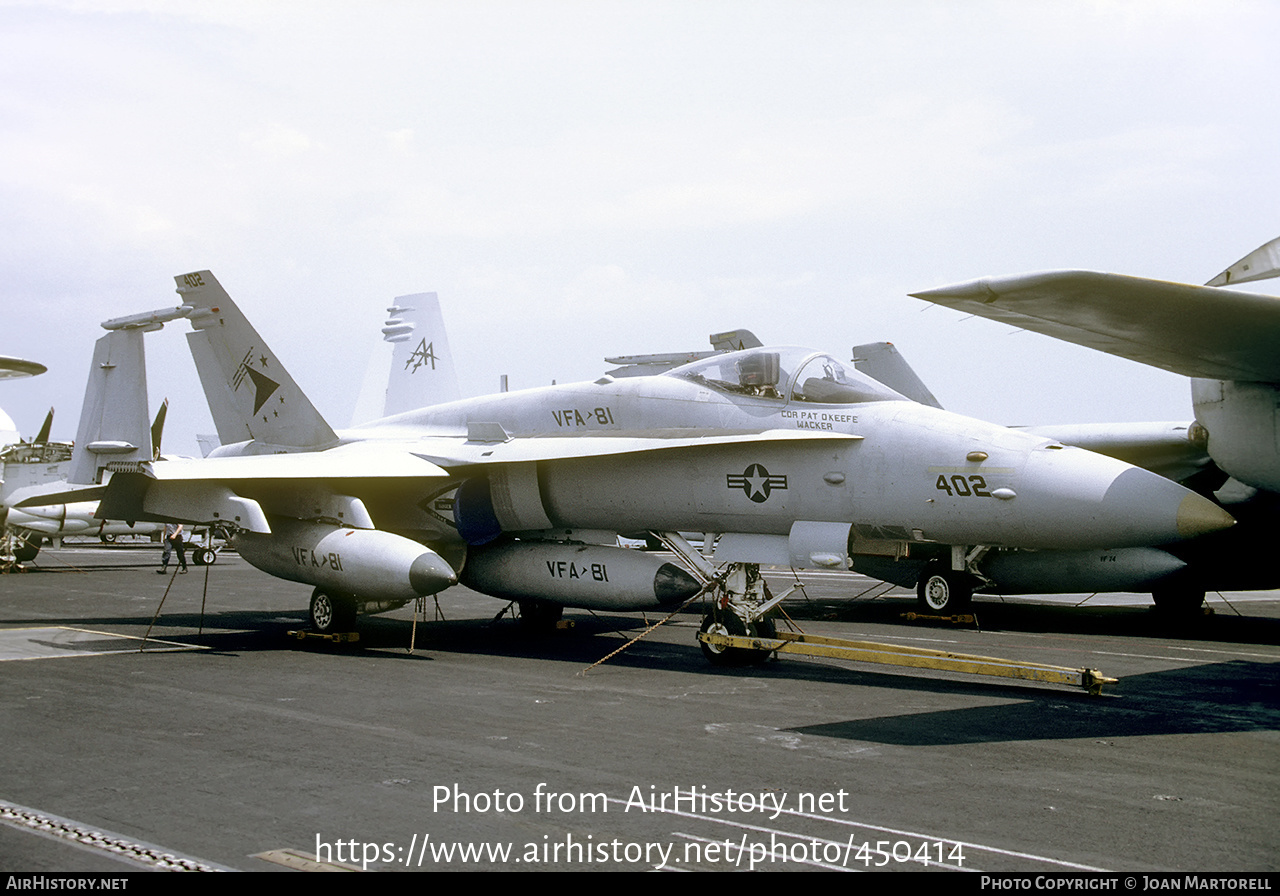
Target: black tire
(726, 622)
(762, 628)
(942, 591)
(1178, 600)
(539, 615)
(107, 538)
(25, 548)
(332, 613)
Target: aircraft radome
(786, 454)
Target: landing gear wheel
(726, 622)
(107, 538)
(942, 590)
(332, 613)
(539, 615)
(203, 556)
(1179, 600)
(25, 548)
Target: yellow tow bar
(920, 657)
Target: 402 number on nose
(963, 487)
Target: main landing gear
(1178, 599)
(727, 622)
(332, 613)
(942, 590)
(740, 603)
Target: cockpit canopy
(789, 373)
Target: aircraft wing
(360, 461)
(436, 457)
(219, 489)
(451, 453)
(1197, 331)
(340, 479)
(1260, 264)
(430, 457)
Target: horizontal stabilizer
(654, 364)
(54, 493)
(735, 341)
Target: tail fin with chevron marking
(250, 394)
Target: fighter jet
(781, 455)
(1226, 340)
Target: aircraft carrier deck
(236, 747)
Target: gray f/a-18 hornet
(781, 455)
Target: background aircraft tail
(114, 424)
(250, 394)
(422, 368)
(735, 341)
(157, 429)
(43, 436)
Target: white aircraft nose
(1096, 501)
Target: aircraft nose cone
(1200, 516)
(1158, 510)
(430, 573)
(1072, 498)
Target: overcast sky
(582, 179)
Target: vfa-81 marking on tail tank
(787, 455)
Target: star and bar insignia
(756, 482)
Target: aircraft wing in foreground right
(1197, 331)
(1226, 340)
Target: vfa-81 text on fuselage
(782, 455)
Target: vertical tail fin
(881, 361)
(113, 420)
(250, 393)
(157, 429)
(422, 368)
(43, 436)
